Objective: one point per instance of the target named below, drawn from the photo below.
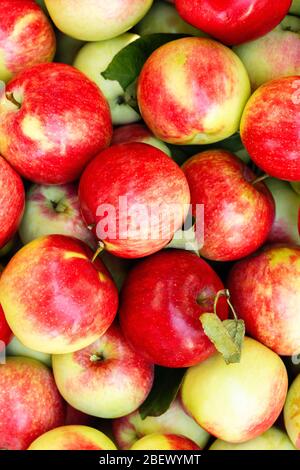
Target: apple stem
(99, 250)
(96, 357)
(224, 293)
(259, 179)
(10, 97)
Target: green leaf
(127, 64)
(164, 391)
(227, 336)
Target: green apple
(292, 412)
(7, 248)
(16, 348)
(295, 8)
(296, 186)
(273, 439)
(93, 59)
(66, 48)
(274, 55)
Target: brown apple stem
(224, 293)
(99, 250)
(10, 97)
(259, 179)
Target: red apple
(53, 120)
(270, 128)
(164, 442)
(234, 21)
(233, 205)
(29, 402)
(135, 198)
(265, 291)
(26, 37)
(107, 379)
(162, 300)
(12, 201)
(54, 298)
(137, 133)
(178, 102)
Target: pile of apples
(84, 331)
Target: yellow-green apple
(12, 201)
(107, 379)
(135, 197)
(240, 401)
(29, 402)
(53, 210)
(273, 439)
(26, 37)
(292, 412)
(16, 348)
(287, 204)
(275, 55)
(46, 306)
(138, 133)
(53, 120)
(93, 59)
(265, 291)
(163, 18)
(175, 420)
(164, 442)
(66, 48)
(162, 300)
(73, 438)
(296, 186)
(94, 21)
(270, 128)
(234, 21)
(179, 104)
(224, 185)
(7, 248)
(295, 8)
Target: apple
(270, 128)
(73, 438)
(296, 186)
(138, 133)
(129, 429)
(275, 55)
(164, 442)
(265, 291)
(233, 21)
(224, 185)
(292, 412)
(53, 120)
(67, 48)
(95, 21)
(240, 401)
(16, 348)
(26, 39)
(7, 248)
(46, 306)
(107, 379)
(285, 226)
(163, 18)
(12, 201)
(295, 8)
(118, 267)
(53, 210)
(273, 439)
(5, 331)
(93, 59)
(162, 300)
(75, 417)
(29, 402)
(135, 197)
(179, 104)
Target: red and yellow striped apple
(164, 442)
(45, 304)
(273, 439)
(177, 101)
(292, 412)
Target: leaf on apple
(164, 391)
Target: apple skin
(236, 402)
(129, 429)
(287, 203)
(234, 21)
(62, 121)
(265, 291)
(222, 182)
(273, 439)
(95, 21)
(295, 8)
(27, 37)
(16, 348)
(134, 171)
(73, 438)
(54, 210)
(138, 133)
(164, 442)
(275, 55)
(162, 300)
(296, 186)
(270, 128)
(291, 412)
(93, 59)
(179, 104)
(5, 331)
(46, 307)
(12, 201)
(27, 411)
